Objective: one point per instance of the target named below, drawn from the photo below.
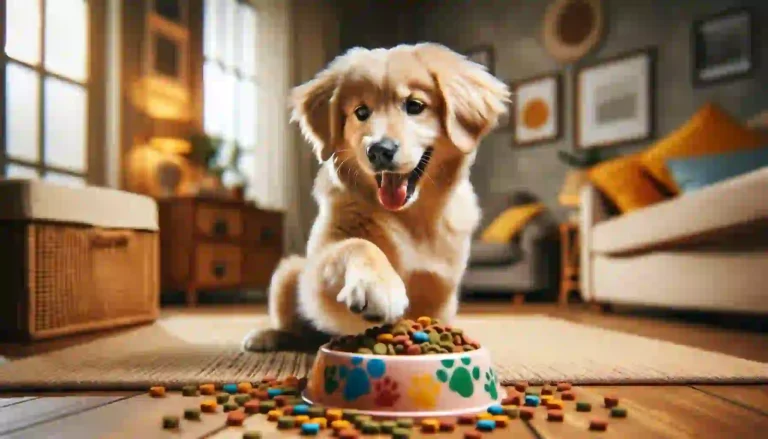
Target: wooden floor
(654, 411)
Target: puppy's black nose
(382, 153)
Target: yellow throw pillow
(510, 222)
(624, 182)
(710, 130)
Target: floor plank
(753, 397)
(39, 411)
(5, 402)
(663, 412)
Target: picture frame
(723, 47)
(483, 55)
(536, 113)
(615, 100)
(167, 41)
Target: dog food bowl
(404, 385)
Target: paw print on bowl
(385, 392)
(491, 385)
(354, 380)
(461, 379)
(424, 391)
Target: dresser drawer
(217, 265)
(264, 228)
(258, 266)
(218, 222)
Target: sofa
(706, 250)
(527, 263)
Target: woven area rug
(182, 350)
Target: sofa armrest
(539, 249)
(593, 209)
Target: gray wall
(513, 28)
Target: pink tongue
(392, 192)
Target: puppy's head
(388, 117)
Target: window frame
(94, 87)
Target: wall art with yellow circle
(536, 108)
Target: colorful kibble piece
(420, 337)
(387, 427)
(229, 388)
(430, 425)
(568, 395)
(266, 406)
(222, 398)
(484, 415)
(189, 391)
(251, 407)
(157, 391)
(512, 412)
(349, 434)
(274, 415)
(401, 433)
(424, 321)
(486, 425)
(236, 418)
(501, 420)
(192, 414)
(467, 419)
(562, 387)
(618, 412)
(520, 386)
(447, 426)
(555, 404)
(208, 406)
(273, 392)
(316, 412)
(531, 401)
(360, 420)
(611, 401)
(349, 414)
(583, 406)
(300, 419)
(252, 435)
(496, 409)
(404, 423)
(244, 387)
(370, 427)
(511, 400)
(340, 424)
(322, 422)
(333, 414)
(546, 390)
(555, 415)
(170, 422)
(310, 429)
(472, 435)
(598, 425)
(301, 409)
(526, 413)
(230, 406)
(285, 423)
(207, 389)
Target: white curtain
(296, 39)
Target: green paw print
(460, 379)
(491, 386)
(330, 381)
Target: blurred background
(186, 101)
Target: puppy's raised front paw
(379, 296)
(261, 340)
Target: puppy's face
(388, 117)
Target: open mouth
(395, 189)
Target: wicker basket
(68, 268)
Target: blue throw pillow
(692, 173)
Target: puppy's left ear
(474, 99)
(314, 108)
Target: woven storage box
(74, 260)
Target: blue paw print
(357, 380)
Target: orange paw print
(423, 391)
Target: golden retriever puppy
(396, 132)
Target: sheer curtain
(296, 38)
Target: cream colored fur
(391, 264)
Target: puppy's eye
(414, 106)
(362, 113)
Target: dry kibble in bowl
(423, 336)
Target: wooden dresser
(210, 244)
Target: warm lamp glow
(170, 145)
(570, 192)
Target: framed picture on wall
(483, 55)
(723, 47)
(614, 102)
(536, 109)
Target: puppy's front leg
(349, 285)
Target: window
(46, 90)
(229, 81)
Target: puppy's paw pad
(379, 297)
(261, 340)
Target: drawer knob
(220, 227)
(267, 234)
(219, 270)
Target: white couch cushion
(25, 200)
(737, 201)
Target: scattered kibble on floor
(281, 403)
